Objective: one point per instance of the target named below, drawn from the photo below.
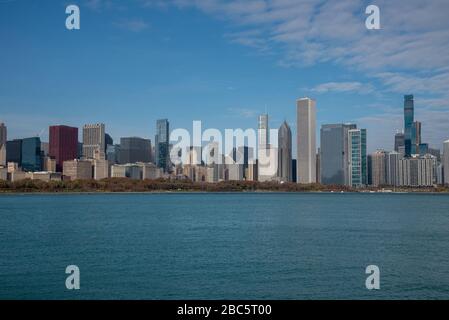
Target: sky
(223, 62)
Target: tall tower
(358, 166)
(263, 130)
(162, 143)
(285, 152)
(306, 140)
(408, 123)
(94, 141)
(3, 138)
(446, 161)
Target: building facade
(63, 144)
(94, 140)
(31, 154)
(306, 140)
(358, 166)
(334, 153)
(408, 123)
(77, 169)
(162, 144)
(285, 152)
(446, 162)
(134, 149)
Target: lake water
(224, 246)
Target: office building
(113, 153)
(63, 144)
(134, 149)
(416, 137)
(162, 141)
(94, 139)
(263, 131)
(3, 161)
(14, 151)
(3, 134)
(392, 168)
(306, 140)
(446, 162)
(285, 152)
(334, 154)
(77, 169)
(377, 168)
(408, 124)
(358, 175)
(417, 171)
(399, 141)
(31, 154)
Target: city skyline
(105, 72)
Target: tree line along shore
(161, 185)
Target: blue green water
(224, 246)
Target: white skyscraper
(446, 161)
(263, 130)
(306, 140)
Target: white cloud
(356, 87)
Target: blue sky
(222, 62)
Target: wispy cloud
(355, 87)
(134, 25)
(243, 112)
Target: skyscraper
(285, 152)
(446, 161)
(263, 130)
(392, 168)
(416, 137)
(94, 140)
(134, 149)
(408, 123)
(3, 138)
(378, 168)
(14, 151)
(358, 175)
(398, 141)
(3, 135)
(306, 140)
(31, 154)
(162, 144)
(334, 154)
(63, 144)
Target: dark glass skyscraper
(162, 144)
(14, 151)
(408, 123)
(398, 141)
(31, 154)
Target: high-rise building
(3, 134)
(134, 149)
(416, 137)
(417, 171)
(446, 162)
(94, 139)
(334, 154)
(358, 175)
(398, 141)
(263, 130)
(392, 168)
(378, 170)
(108, 140)
(306, 140)
(14, 151)
(63, 144)
(408, 123)
(267, 155)
(285, 152)
(113, 153)
(162, 144)
(31, 154)
(3, 139)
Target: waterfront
(224, 246)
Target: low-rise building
(77, 169)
